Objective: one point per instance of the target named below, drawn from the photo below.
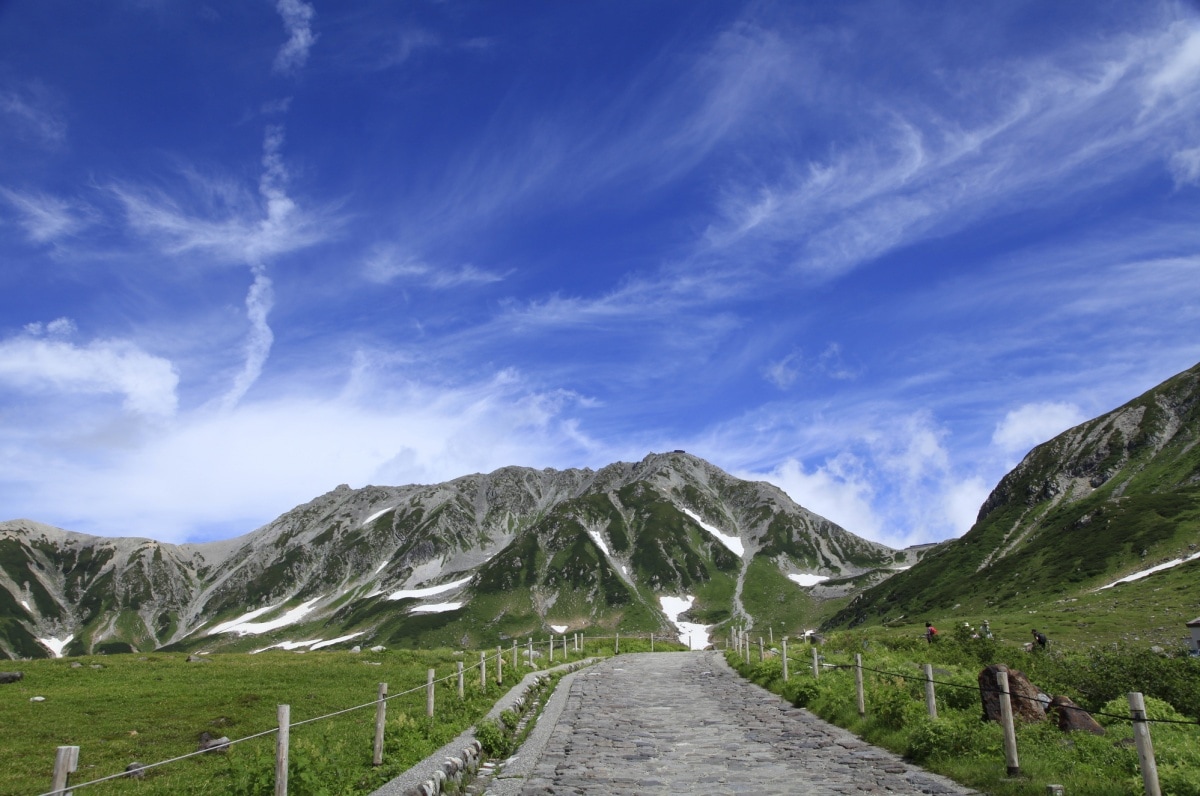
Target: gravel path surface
(687, 723)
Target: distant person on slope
(930, 632)
(1040, 638)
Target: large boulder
(1072, 718)
(1026, 699)
(11, 677)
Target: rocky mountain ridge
(513, 551)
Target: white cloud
(297, 19)
(44, 218)
(33, 363)
(1185, 166)
(238, 468)
(388, 263)
(783, 374)
(1034, 423)
(30, 112)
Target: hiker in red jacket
(930, 632)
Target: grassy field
(149, 708)
(959, 745)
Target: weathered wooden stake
(1145, 749)
(380, 723)
(930, 699)
(66, 761)
(515, 670)
(1006, 719)
(564, 641)
(816, 664)
(771, 634)
(482, 672)
(551, 658)
(429, 676)
(652, 642)
(531, 650)
(762, 653)
(461, 690)
(785, 659)
(858, 684)
(617, 646)
(281, 749)
(499, 666)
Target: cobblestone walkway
(686, 723)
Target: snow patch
(599, 540)
(1145, 572)
(804, 579)
(376, 516)
(313, 644)
(436, 608)
(690, 633)
(55, 645)
(244, 627)
(559, 628)
(429, 591)
(734, 543)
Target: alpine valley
(1094, 531)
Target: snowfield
(734, 543)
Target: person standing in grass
(930, 632)
(1040, 638)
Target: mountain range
(667, 545)
(474, 561)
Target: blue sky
(870, 252)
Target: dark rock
(197, 659)
(135, 770)
(10, 677)
(1072, 718)
(210, 744)
(1022, 694)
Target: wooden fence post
(617, 646)
(771, 635)
(564, 641)
(930, 698)
(516, 671)
(762, 653)
(461, 694)
(785, 660)
(66, 761)
(551, 648)
(1006, 719)
(499, 666)
(380, 723)
(531, 651)
(482, 672)
(858, 684)
(281, 750)
(816, 664)
(1145, 749)
(652, 642)
(429, 694)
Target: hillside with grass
(1110, 498)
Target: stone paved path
(686, 723)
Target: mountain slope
(1109, 497)
(471, 561)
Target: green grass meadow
(153, 707)
(959, 745)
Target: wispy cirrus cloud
(388, 263)
(1050, 126)
(33, 114)
(44, 218)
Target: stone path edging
(426, 771)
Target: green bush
(800, 691)
(493, 738)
